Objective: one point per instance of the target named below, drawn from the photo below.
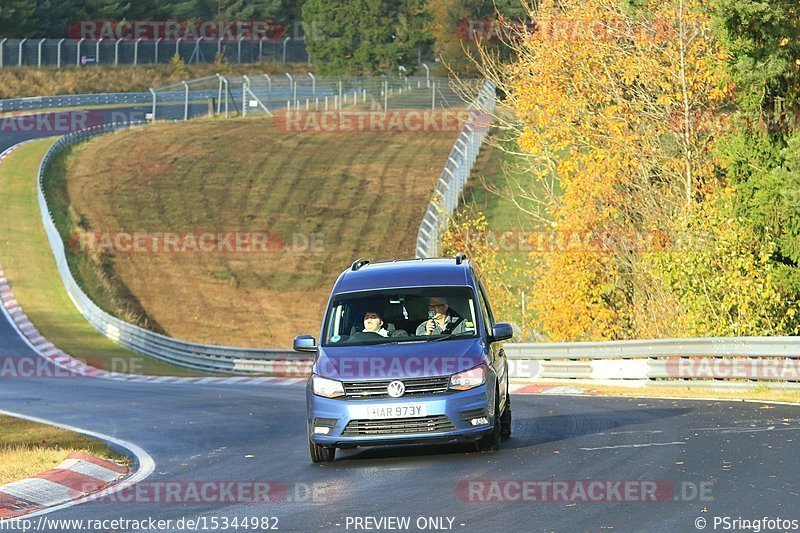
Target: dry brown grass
(30, 81)
(27, 260)
(28, 448)
(363, 194)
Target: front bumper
(346, 415)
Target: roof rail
(358, 263)
(460, 258)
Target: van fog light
(479, 421)
(321, 430)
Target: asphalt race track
(719, 459)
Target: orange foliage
(624, 117)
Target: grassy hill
(351, 195)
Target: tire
(320, 454)
(491, 441)
(505, 419)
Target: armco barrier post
(78, 52)
(245, 87)
(269, 89)
(38, 53)
(153, 117)
(136, 51)
(19, 52)
(186, 101)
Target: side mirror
(501, 332)
(304, 343)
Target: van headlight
(328, 388)
(468, 379)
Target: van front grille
(398, 426)
(378, 388)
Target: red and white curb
(553, 390)
(74, 366)
(47, 350)
(80, 475)
(7, 151)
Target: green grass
(28, 448)
(499, 166)
(28, 261)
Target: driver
(443, 320)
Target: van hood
(403, 360)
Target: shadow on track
(527, 432)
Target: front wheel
(505, 419)
(320, 454)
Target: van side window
(488, 318)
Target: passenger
(443, 322)
(373, 329)
(373, 323)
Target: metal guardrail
(456, 171)
(730, 361)
(187, 354)
(275, 91)
(72, 100)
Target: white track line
(146, 464)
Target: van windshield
(412, 314)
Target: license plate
(396, 410)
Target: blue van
(409, 352)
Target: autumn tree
(613, 104)
(459, 27)
(761, 154)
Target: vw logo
(396, 389)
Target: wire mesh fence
(86, 52)
(264, 95)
